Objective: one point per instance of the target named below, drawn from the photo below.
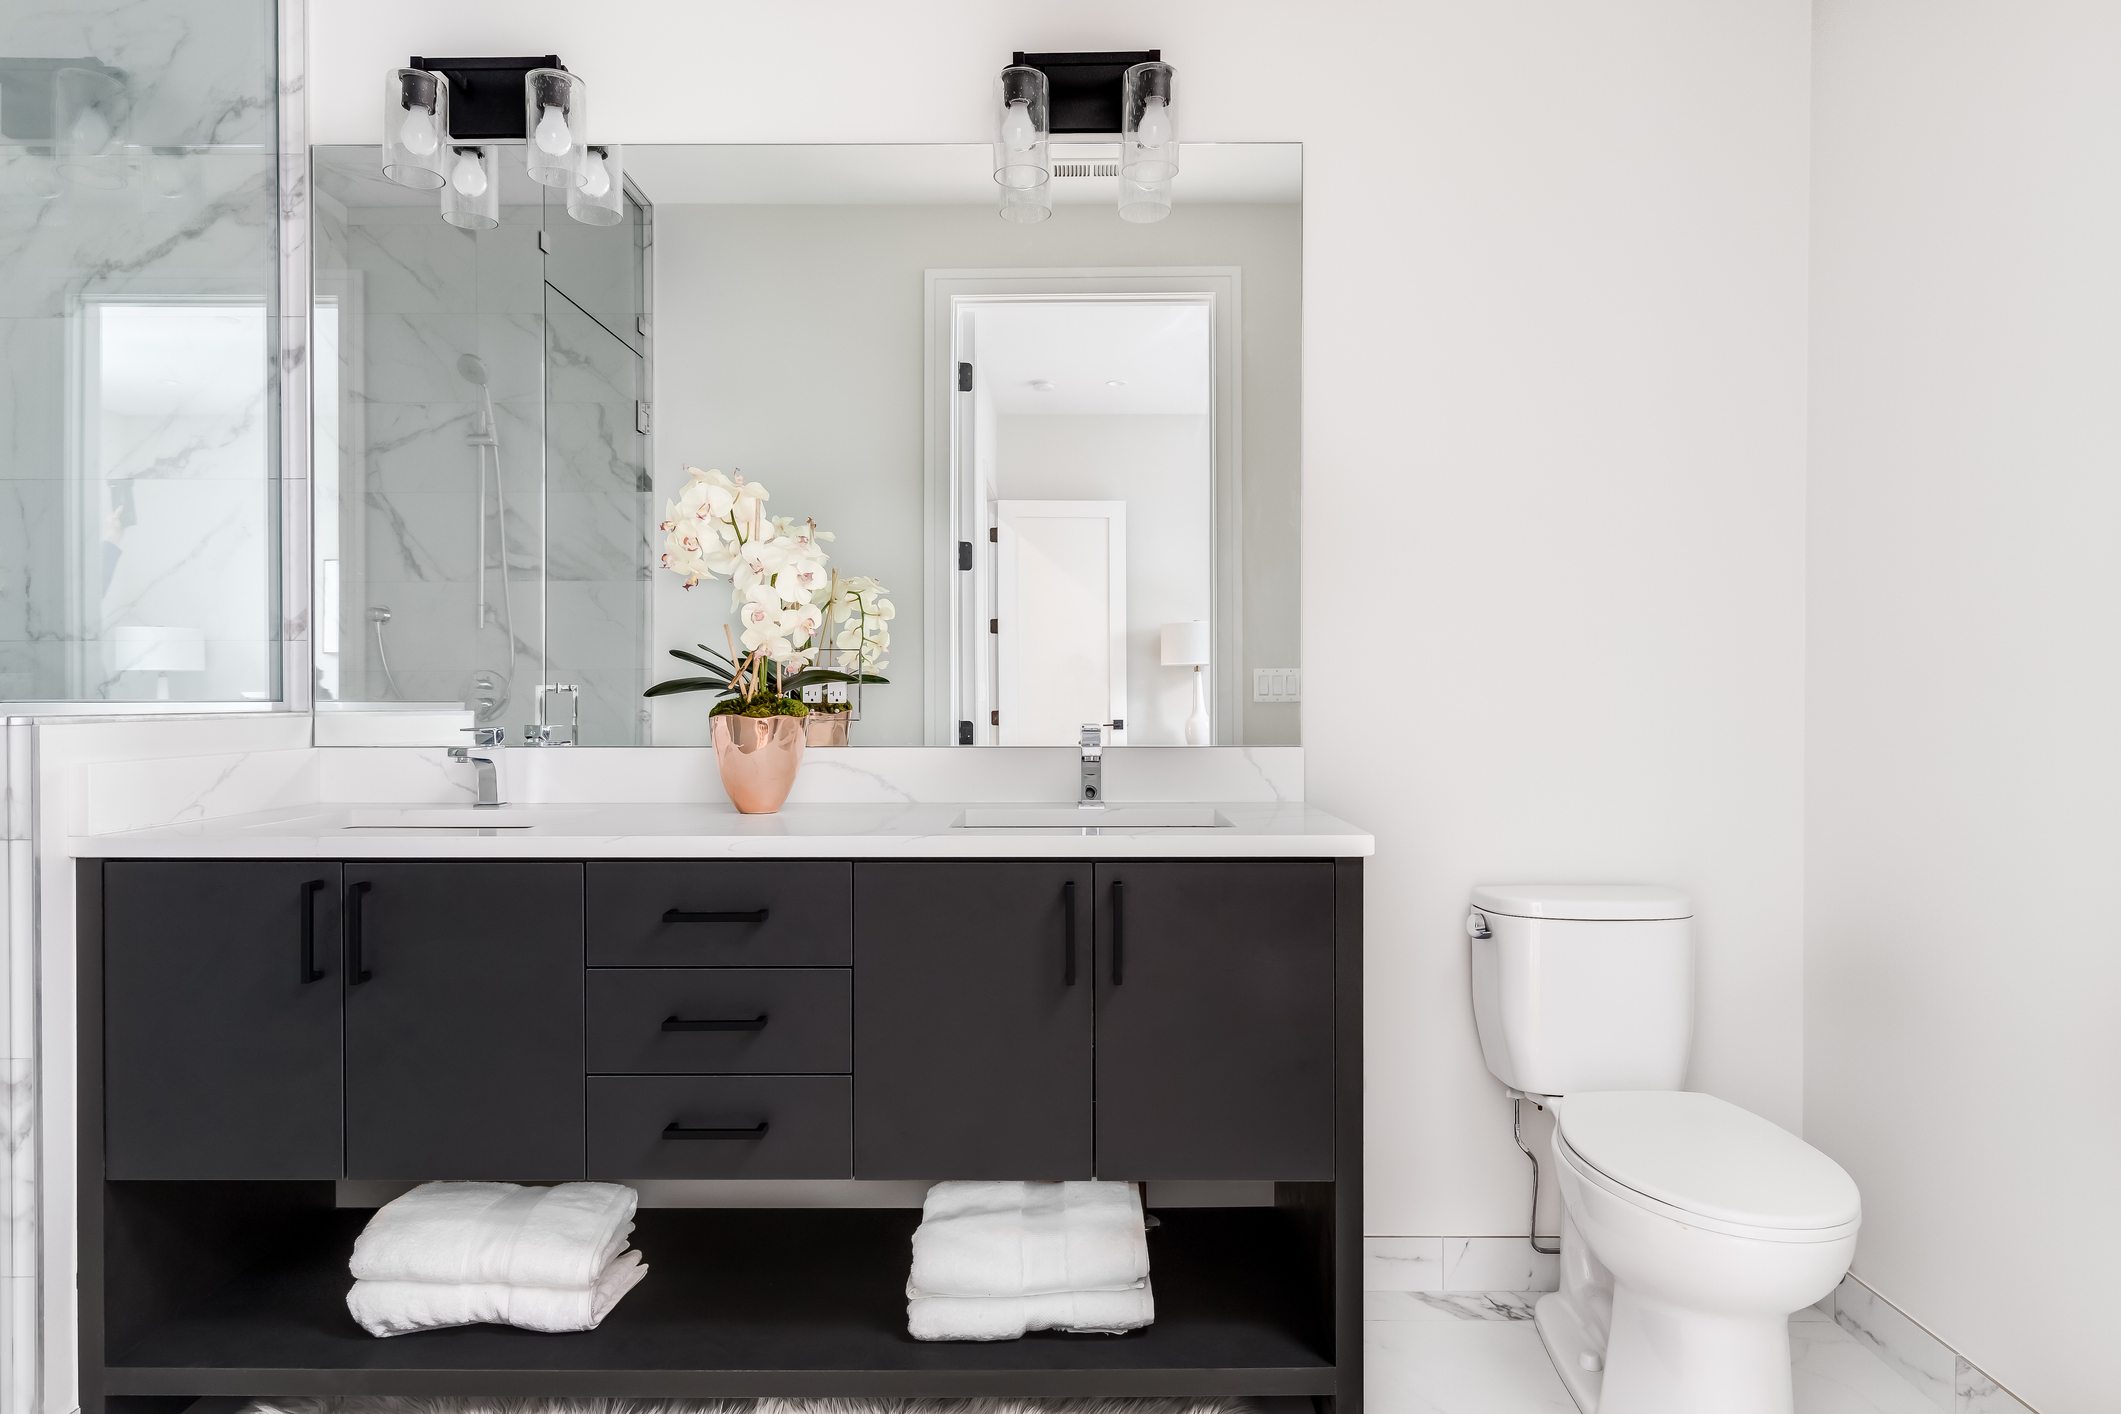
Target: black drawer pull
(733, 1023)
(1119, 935)
(1068, 948)
(357, 969)
(674, 1130)
(679, 915)
(309, 972)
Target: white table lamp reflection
(1186, 646)
(140, 648)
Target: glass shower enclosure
(483, 505)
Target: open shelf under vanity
(737, 1302)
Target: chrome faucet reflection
(484, 755)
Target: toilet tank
(1583, 986)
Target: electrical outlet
(1277, 684)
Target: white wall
(1160, 464)
(1964, 955)
(1553, 438)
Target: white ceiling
(936, 174)
(1160, 352)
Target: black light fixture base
(1083, 90)
(486, 95)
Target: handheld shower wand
(486, 433)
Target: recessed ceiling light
(1041, 385)
(1115, 382)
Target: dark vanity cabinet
(252, 1030)
(464, 1020)
(221, 1003)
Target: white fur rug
(385, 1404)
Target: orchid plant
(779, 589)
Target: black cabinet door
(1215, 1020)
(971, 1041)
(464, 1000)
(221, 1029)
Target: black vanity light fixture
(1125, 94)
(445, 121)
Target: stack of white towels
(994, 1260)
(456, 1254)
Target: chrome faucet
(484, 754)
(1092, 795)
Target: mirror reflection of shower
(492, 689)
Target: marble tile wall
(1456, 1264)
(176, 212)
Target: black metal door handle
(674, 1130)
(357, 956)
(734, 1023)
(1068, 947)
(1119, 934)
(679, 915)
(309, 972)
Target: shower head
(472, 369)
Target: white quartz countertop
(701, 831)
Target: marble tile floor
(1477, 1353)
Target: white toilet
(1691, 1228)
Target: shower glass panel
(482, 538)
(139, 428)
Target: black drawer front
(721, 1021)
(721, 914)
(808, 1126)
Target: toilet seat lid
(1702, 1155)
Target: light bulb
(598, 181)
(91, 132)
(469, 177)
(1019, 133)
(417, 135)
(1154, 129)
(553, 136)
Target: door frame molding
(950, 656)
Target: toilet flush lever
(1477, 925)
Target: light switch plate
(1277, 684)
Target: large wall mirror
(1057, 459)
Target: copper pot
(826, 728)
(758, 757)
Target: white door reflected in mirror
(1060, 628)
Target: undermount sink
(453, 817)
(1075, 817)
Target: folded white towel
(1028, 1239)
(1008, 1317)
(398, 1307)
(505, 1233)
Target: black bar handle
(679, 915)
(309, 972)
(1119, 935)
(357, 961)
(734, 1023)
(674, 1130)
(1068, 948)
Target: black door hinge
(964, 554)
(996, 719)
(964, 733)
(994, 534)
(964, 378)
(994, 625)
(542, 247)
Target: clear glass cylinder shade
(601, 199)
(472, 197)
(416, 128)
(1026, 205)
(1023, 123)
(89, 112)
(556, 122)
(1143, 202)
(1148, 139)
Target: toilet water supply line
(1517, 1131)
